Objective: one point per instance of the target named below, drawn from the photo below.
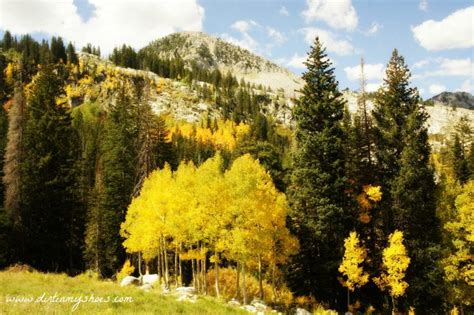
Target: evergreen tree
(317, 192)
(58, 51)
(402, 154)
(6, 232)
(51, 213)
(71, 54)
(460, 163)
(114, 187)
(13, 159)
(7, 41)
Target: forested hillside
(183, 165)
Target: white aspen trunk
(244, 291)
(216, 267)
(260, 281)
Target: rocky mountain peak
(211, 52)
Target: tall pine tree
(320, 207)
(402, 154)
(114, 186)
(50, 210)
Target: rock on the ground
(302, 311)
(187, 298)
(128, 280)
(249, 308)
(150, 279)
(259, 305)
(234, 302)
(189, 290)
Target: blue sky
(435, 37)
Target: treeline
(239, 100)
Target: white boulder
(150, 279)
(128, 280)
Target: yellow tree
(145, 223)
(354, 256)
(395, 263)
(183, 215)
(213, 200)
(260, 210)
(458, 264)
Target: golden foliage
(239, 214)
(458, 264)
(395, 263)
(226, 136)
(354, 256)
(126, 270)
(374, 193)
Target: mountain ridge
(454, 99)
(211, 52)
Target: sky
(436, 37)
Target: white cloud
(423, 5)
(244, 26)
(421, 64)
(456, 67)
(330, 41)
(374, 29)
(296, 61)
(371, 72)
(437, 88)
(246, 42)
(112, 23)
(466, 86)
(337, 14)
(446, 67)
(276, 36)
(283, 11)
(454, 31)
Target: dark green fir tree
(409, 205)
(50, 209)
(114, 187)
(320, 214)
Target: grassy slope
(34, 284)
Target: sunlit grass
(32, 285)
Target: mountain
(185, 101)
(211, 53)
(454, 100)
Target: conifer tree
(58, 51)
(71, 54)
(402, 154)
(12, 165)
(320, 212)
(51, 213)
(118, 169)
